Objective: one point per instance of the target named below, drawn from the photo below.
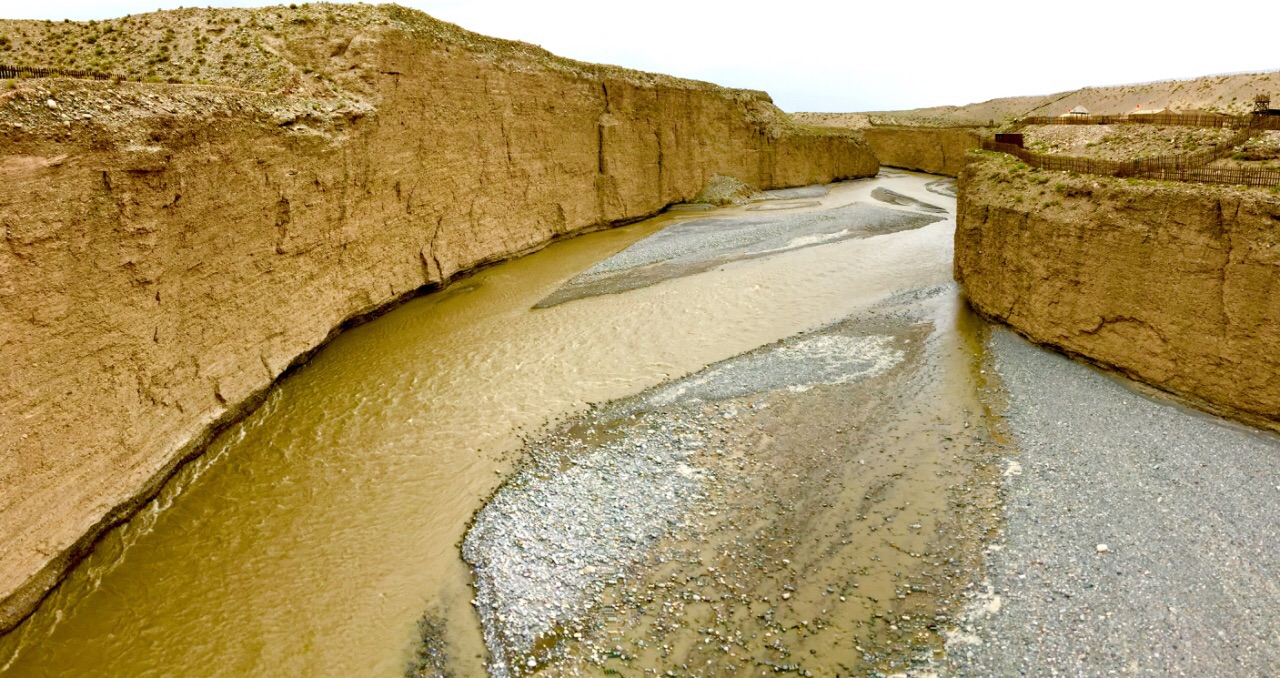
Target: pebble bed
(598, 493)
(797, 366)
(566, 526)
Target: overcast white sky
(852, 55)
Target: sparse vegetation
(242, 48)
(1121, 142)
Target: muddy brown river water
(313, 537)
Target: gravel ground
(945, 187)
(895, 198)
(816, 506)
(1142, 538)
(598, 494)
(797, 366)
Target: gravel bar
(702, 245)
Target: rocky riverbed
(905, 491)
(816, 506)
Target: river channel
(323, 534)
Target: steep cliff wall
(938, 150)
(1172, 284)
(170, 250)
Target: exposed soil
(1261, 151)
(1121, 142)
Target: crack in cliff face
(506, 140)
(1224, 233)
(601, 168)
(662, 190)
(283, 218)
(1115, 321)
(429, 258)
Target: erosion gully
(717, 442)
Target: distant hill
(1223, 93)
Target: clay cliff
(935, 150)
(1172, 284)
(169, 250)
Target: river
(311, 538)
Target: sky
(849, 55)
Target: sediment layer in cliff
(169, 250)
(1172, 284)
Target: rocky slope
(1172, 284)
(169, 250)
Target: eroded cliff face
(938, 150)
(170, 250)
(1172, 284)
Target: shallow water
(311, 537)
(814, 506)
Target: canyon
(439, 354)
(171, 249)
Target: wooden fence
(1162, 119)
(1264, 122)
(1165, 119)
(1186, 167)
(27, 72)
(1249, 176)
